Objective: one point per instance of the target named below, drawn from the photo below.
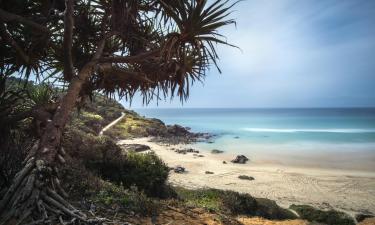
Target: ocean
(316, 134)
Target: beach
(351, 191)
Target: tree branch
(68, 39)
(129, 59)
(8, 38)
(7, 17)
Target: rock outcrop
(241, 159)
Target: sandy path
(112, 123)
(350, 191)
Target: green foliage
(146, 171)
(330, 217)
(126, 199)
(209, 199)
(231, 202)
(41, 94)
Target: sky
(310, 53)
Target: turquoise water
(277, 126)
(324, 138)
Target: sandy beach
(349, 191)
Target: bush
(231, 202)
(238, 203)
(147, 171)
(126, 199)
(330, 217)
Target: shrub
(330, 217)
(147, 171)
(233, 203)
(238, 203)
(203, 198)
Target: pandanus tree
(117, 47)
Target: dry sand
(349, 191)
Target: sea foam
(281, 130)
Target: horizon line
(341, 107)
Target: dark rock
(210, 142)
(191, 150)
(245, 177)
(179, 169)
(157, 121)
(209, 172)
(224, 162)
(180, 151)
(236, 137)
(240, 159)
(200, 155)
(177, 130)
(135, 147)
(216, 151)
(361, 217)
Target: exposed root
(34, 198)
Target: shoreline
(345, 190)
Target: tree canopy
(157, 47)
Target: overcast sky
(310, 53)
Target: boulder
(245, 177)
(216, 151)
(209, 172)
(181, 151)
(224, 162)
(192, 150)
(179, 169)
(241, 159)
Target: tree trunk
(35, 195)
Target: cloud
(294, 54)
